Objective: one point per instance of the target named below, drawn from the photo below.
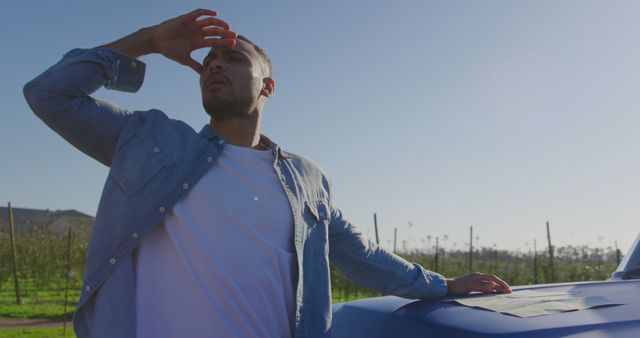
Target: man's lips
(216, 79)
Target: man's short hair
(260, 52)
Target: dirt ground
(19, 323)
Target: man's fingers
(215, 42)
(489, 283)
(484, 286)
(200, 12)
(482, 282)
(502, 285)
(217, 31)
(206, 22)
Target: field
(570, 264)
(43, 260)
(36, 333)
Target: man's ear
(268, 87)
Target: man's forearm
(136, 44)
(61, 98)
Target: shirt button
(87, 288)
(112, 261)
(185, 186)
(221, 141)
(156, 150)
(134, 65)
(134, 235)
(162, 209)
(210, 159)
(321, 213)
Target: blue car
(443, 317)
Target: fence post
(12, 238)
(66, 284)
(551, 266)
(436, 257)
(375, 225)
(535, 263)
(471, 248)
(395, 238)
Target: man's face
(232, 80)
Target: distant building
(58, 222)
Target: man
(220, 233)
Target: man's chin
(216, 103)
(226, 115)
(221, 111)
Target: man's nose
(215, 65)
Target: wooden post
(66, 284)
(552, 269)
(471, 248)
(375, 225)
(395, 238)
(12, 238)
(436, 257)
(535, 262)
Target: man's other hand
(476, 282)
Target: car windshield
(629, 268)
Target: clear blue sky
(497, 114)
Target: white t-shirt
(222, 263)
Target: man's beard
(222, 109)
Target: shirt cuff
(436, 283)
(122, 73)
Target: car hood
(398, 317)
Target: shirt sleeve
(367, 264)
(60, 97)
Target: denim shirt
(154, 161)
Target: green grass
(339, 296)
(36, 333)
(49, 303)
(54, 311)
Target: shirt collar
(210, 134)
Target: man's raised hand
(178, 37)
